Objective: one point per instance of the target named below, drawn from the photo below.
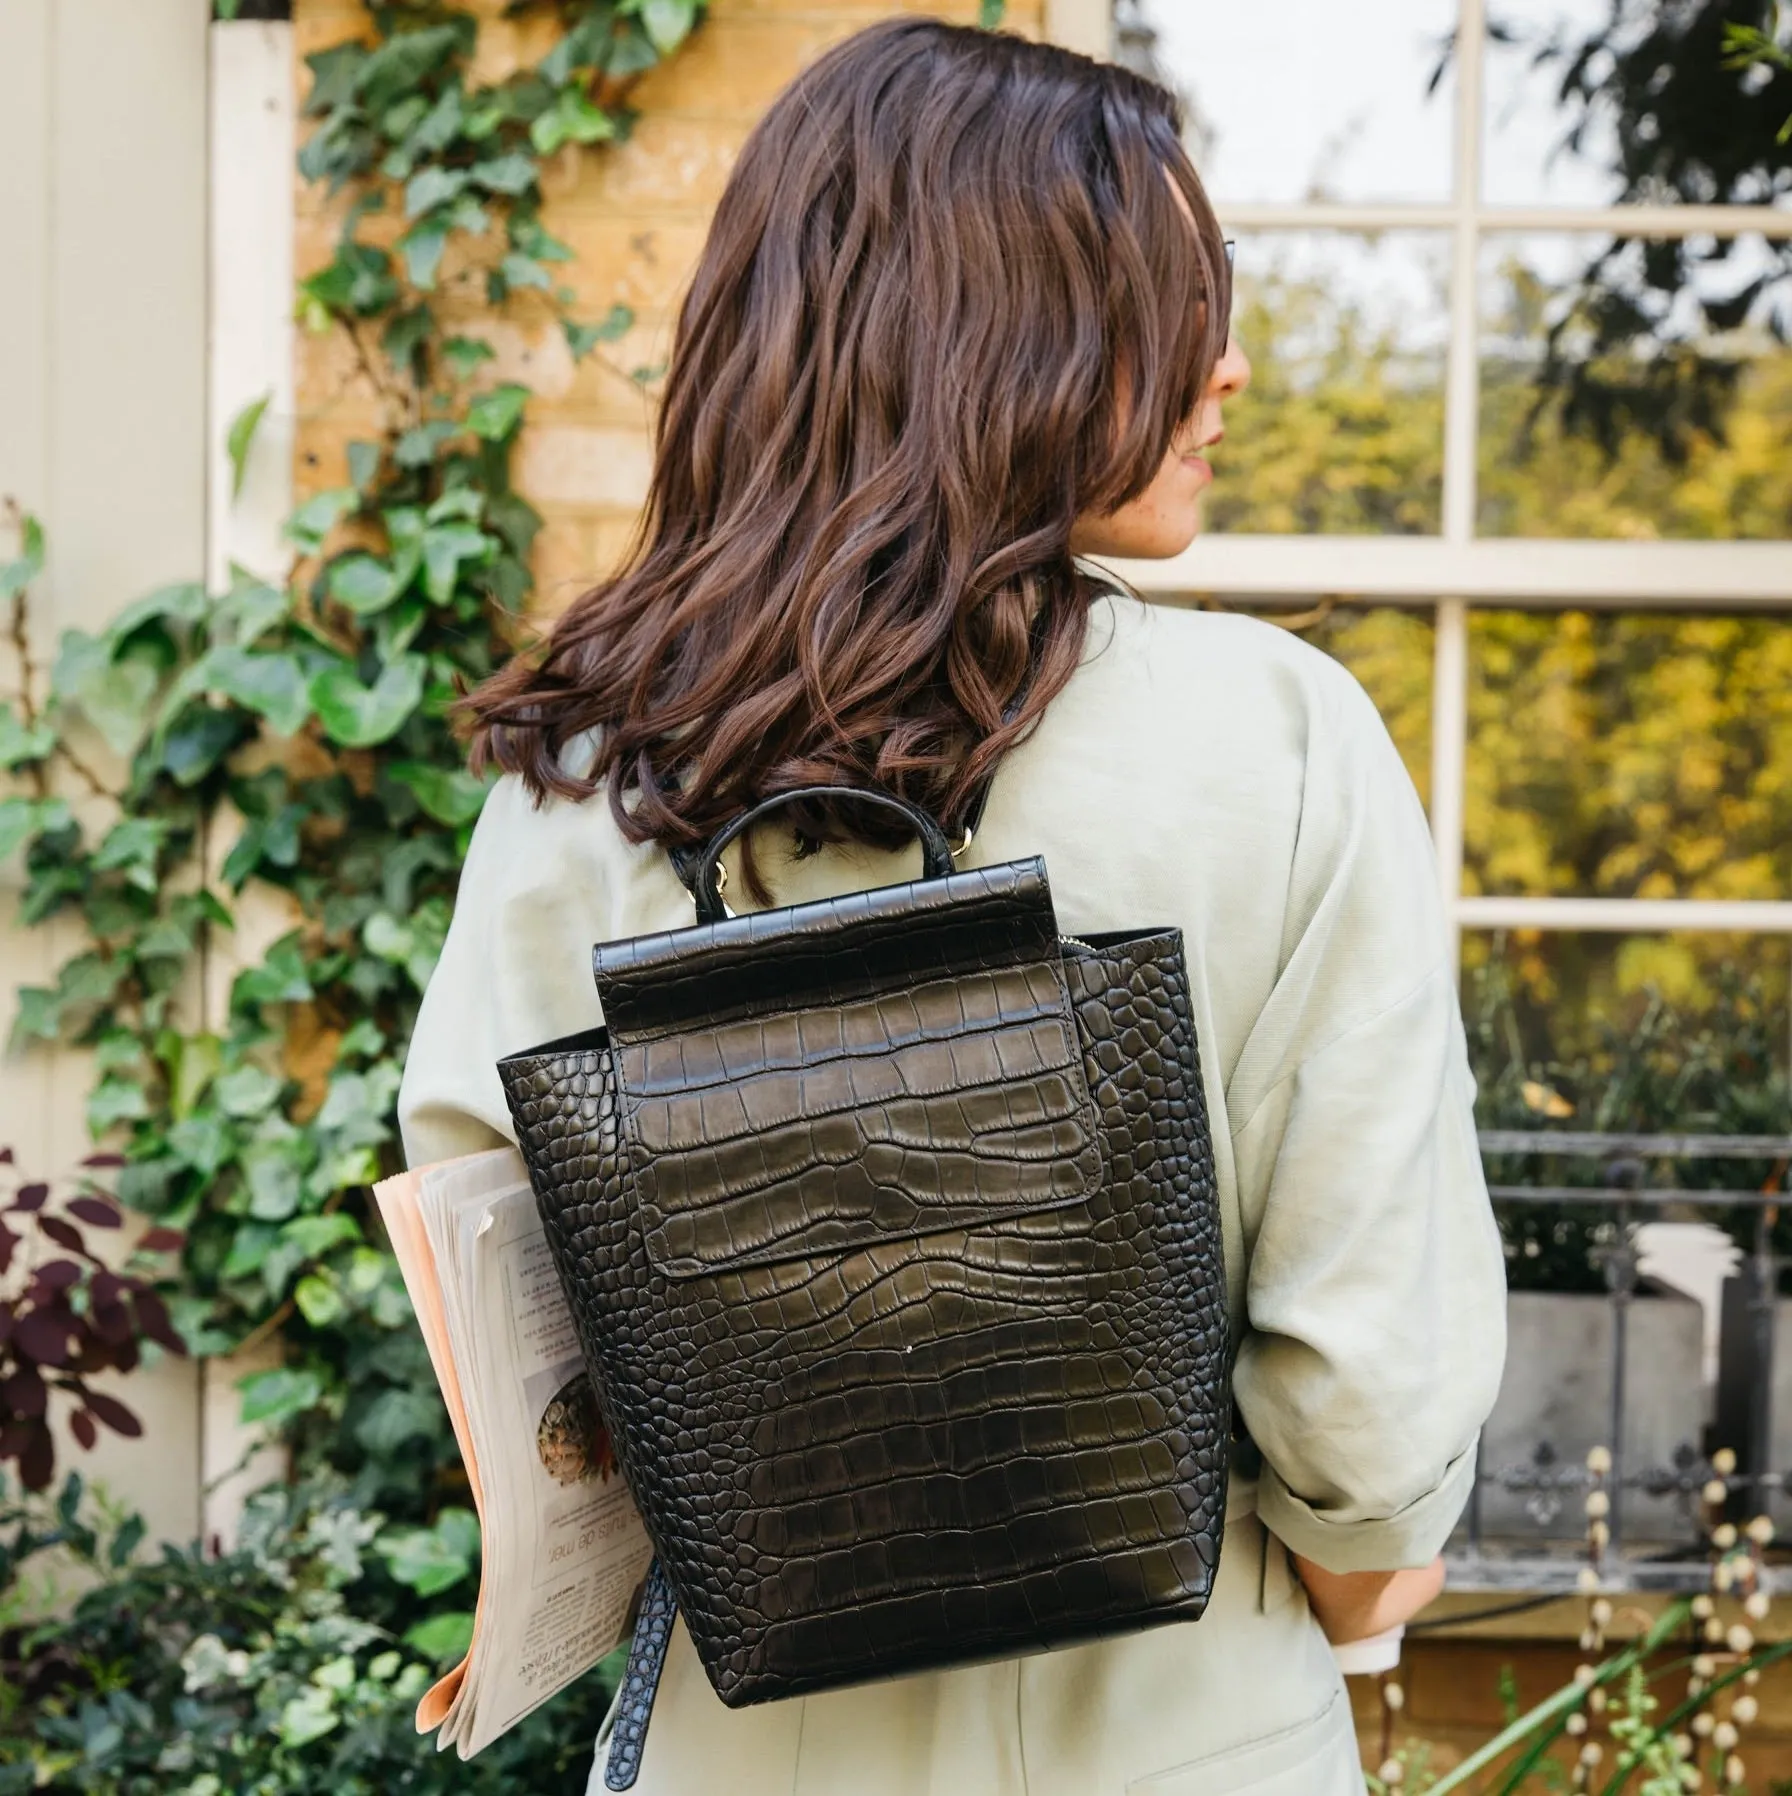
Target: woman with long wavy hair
(960, 324)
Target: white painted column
(1462, 391)
(250, 355)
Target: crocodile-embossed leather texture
(640, 1681)
(890, 1231)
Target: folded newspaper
(562, 1546)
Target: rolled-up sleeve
(1374, 1333)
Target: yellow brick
(644, 264)
(579, 464)
(735, 68)
(667, 166)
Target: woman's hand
(1355, 1605)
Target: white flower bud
(1723, 1462)
(1591, 1753)
(1599, 1461)
(1393, 1697)
(1751, 1677)
(1586, 1580)
(1682, 1745)
(1393, 1773)
(1734, 1771)
(1598, 1504)
(1723, 1574)
(1584, 1676)
(1601, 1613)
(1704, 1725)
(1744, 1710)
(1576, 1724)
(1760, 1530)
(1695, 1687)
(1596, 1701)
(1723, 1536)
(1690, 1778)
(1600, 1534)
(1704, 1666)
(1714, 1631)
(1703, 1608)
(1715, 1492)
(1739, 1640)
(1757, 1605)
(1724, 1736)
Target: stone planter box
(1557, 1393)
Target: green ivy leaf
(445, 547)
(512, 174)
(465, 354)
(241, 436)
(21, 742)
(363, 583)
(319, 1299)
(273, 686)
(434, 186)
(364, 458)
(319, 515)
(668, 22)
(519, 273)
(192, 1062)
(313, 1236)
(581, 339)
(444, 1638)
(280, 1395)
(247, 1091)
(429, 1560)
(23, 818)
(113, 1101)
(451, 795)
(114, 696)
(574, 117)
(494, 415)
(280, 979)
(422, 247)
(398, 1416)
(358, 716)
(418, 446)
(17, 574)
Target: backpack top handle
(704, 875)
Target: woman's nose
(1231, 373)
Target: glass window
(1629, 754)
(1341, 431)
(1591, 102)
(1316, 101)
(1635, 388)
(1590, 1030)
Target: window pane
(1314, 101)
(1635, 754)
(1590, 102)
(1636, 389)
(1342, 428)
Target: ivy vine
(292, 738)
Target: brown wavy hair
(950, 300)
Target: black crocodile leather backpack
(889, 1227)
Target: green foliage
(257, 1673)
(287, 746)
(1660, 1071)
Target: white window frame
(1450, 572)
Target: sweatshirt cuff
(1411, 1537)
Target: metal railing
(1723, 1468)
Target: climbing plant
(289, 739)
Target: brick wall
(635, 215)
